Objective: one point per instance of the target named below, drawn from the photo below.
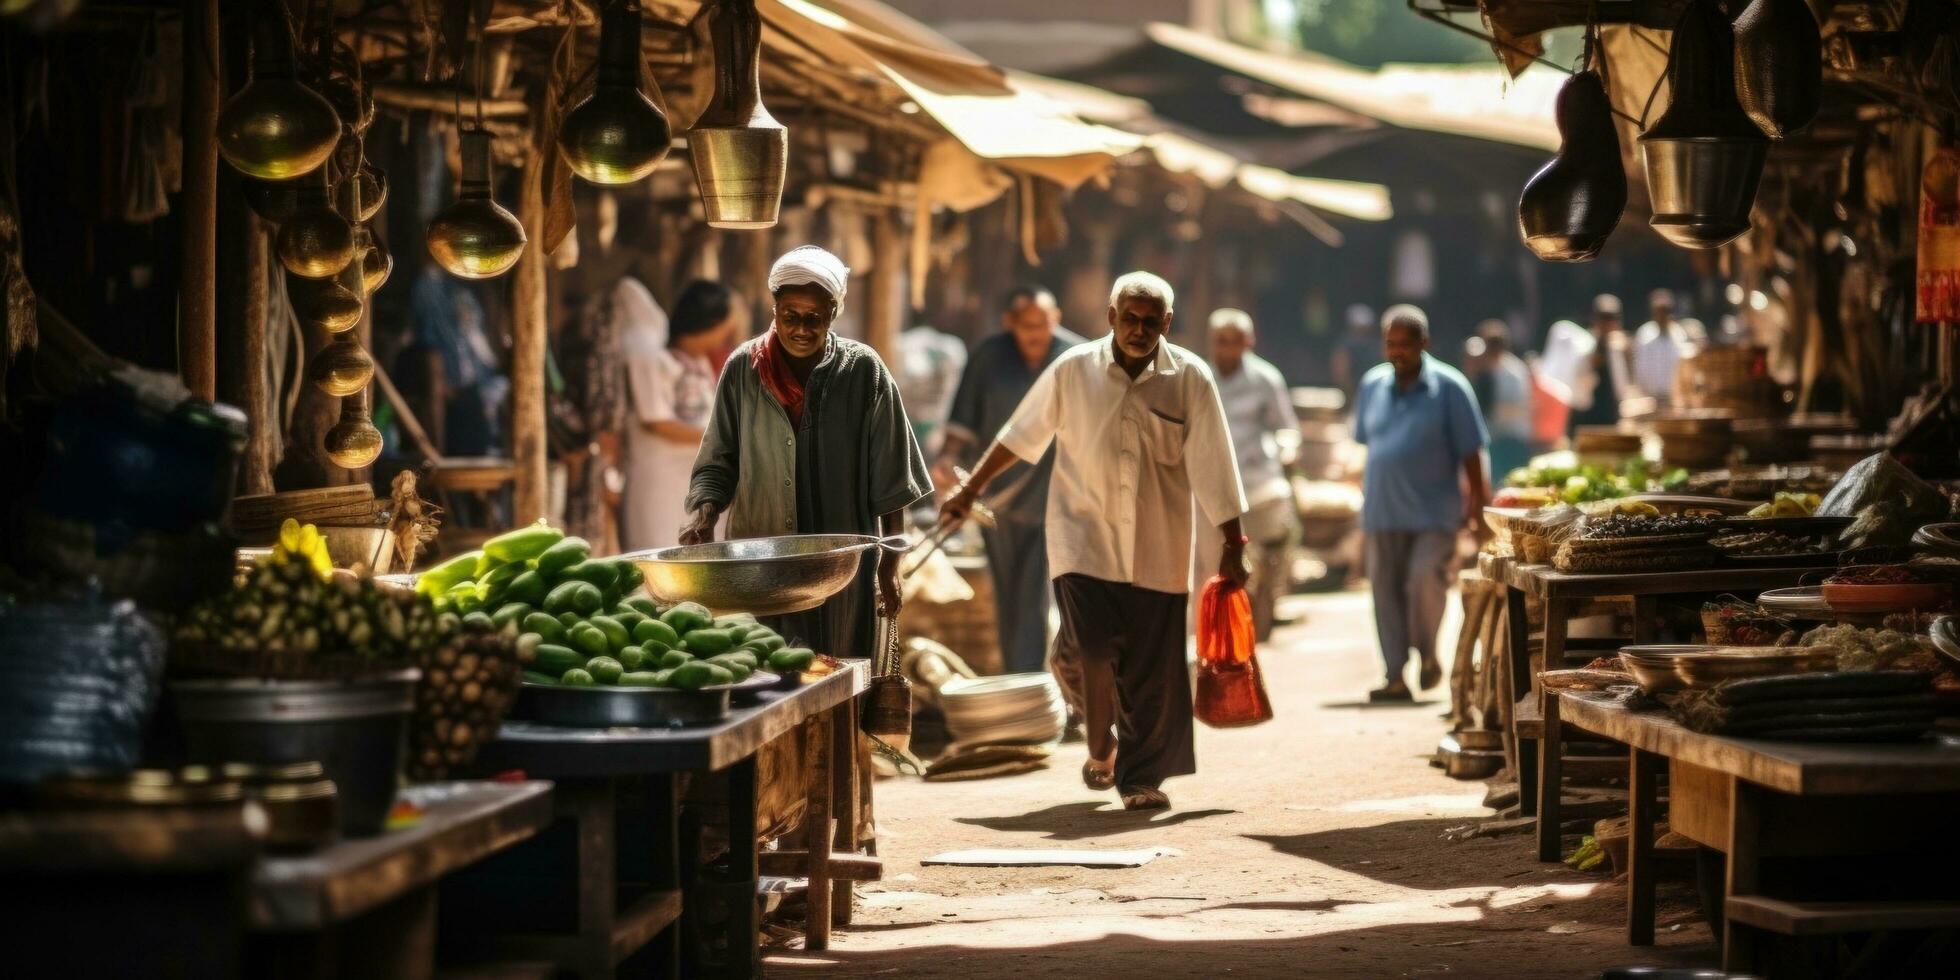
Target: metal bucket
(356, 730)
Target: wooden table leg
(1644, 770)
(846, 803)
(818, 829)
(663, 790)
(1525, 750)
(1745, 836)
(591, 804)
(1551, 832)
(744, 948)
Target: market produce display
(1787, 504)
(1892, 705)
(1582, 482)
(467, 686)
(293, 617)
(1638, 542)
(1864, 649)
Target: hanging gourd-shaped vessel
(1779, 65)
(316, 242)
(374, 190)
(617, 135)
(376, 265)
(324, 303)
(341, 368)
(1571, 205)
(275, 128)
(353, 442)
(474, 237)
(1704, 156)
(740, 152)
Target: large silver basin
(764, 576)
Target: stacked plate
(1011, 708)
(1661, 668)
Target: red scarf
(772, 368)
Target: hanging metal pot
(316, 242)
(1704, 157)
(324, 303)
(342, 367)
(353, 442)
(275, 128)
(740, 152)
(617, 135)
(376, 265)
(474, 237)
(1571, 205)
(1779, 65)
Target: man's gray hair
(1142, 285)
(1406, 315)
(1231, 319)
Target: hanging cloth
(772, 367)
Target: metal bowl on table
(764, 576)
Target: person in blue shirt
(1424, 483)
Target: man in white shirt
(1659, 346)
(1138, 433)
(1258, 408)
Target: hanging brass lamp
(617, 135)
(1704, 156)
(376, 265)
(316, 242)
(474, 237)
(740, 152)
(275, 128)
(353, 442)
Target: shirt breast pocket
(1163, 436)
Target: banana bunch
(302, 544)
(1787, 504)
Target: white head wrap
(808, 265)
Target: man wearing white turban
(809, 436)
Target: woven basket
(1732, 378)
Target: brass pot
(617, 135)
(740, 152)
(341, 368)
(275, 128)
(376, 266)
(474, 237)
(353, 442)
(324, 303)
(1702, 188)
(1704, 156)
(316, 242)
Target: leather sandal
(1145, 798)
(1097, 776)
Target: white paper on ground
(998, 857)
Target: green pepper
(605, 670)
(527, 587)
(566, 553)
(709, 641)
(791, 658)
(510, 612)
(583, 598)
(632, 657)
(555, 660)
(523, 544)
(616, 635)
(653, 632)
(630, 576)
(589, 638)
(543, 624)
(440, 579)
(687, 617)
(603, 574)
(577, 677)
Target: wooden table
(589, 766)
(1755, 799)
(367, 907)
(1563, 593)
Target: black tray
(1801, 559)
(604, 706)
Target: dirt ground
(1319, 844)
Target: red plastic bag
(1231, 694)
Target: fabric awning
(1479, 101)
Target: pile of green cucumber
(582, 621)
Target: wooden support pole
(883, 310)
(528, 326)
(261, 415)
(197, 314)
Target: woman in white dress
(670, 380)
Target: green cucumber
(658, 633)
(603, 574)
(527, 587)
(523, 544)
(674, 658)
(643, 678)
(632, 658)
(709, 641)
(438, 580)
(577, 677)
(617, 636)
(535, 677)
(792, 658)
(562, 555)
(687, 617)
(576, 596)
(510, 612)
(588, 638)
(543, 624)
(556, 660)
(605, 670)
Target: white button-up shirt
(1129, 457)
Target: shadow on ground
(1086, 819)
